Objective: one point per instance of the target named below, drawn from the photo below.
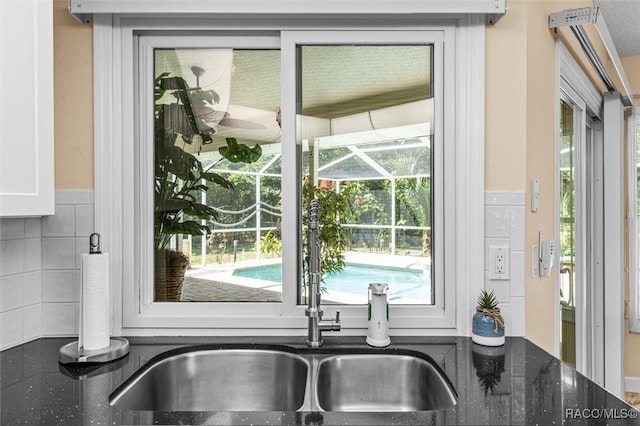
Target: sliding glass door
(578, 195)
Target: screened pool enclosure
(366, 137)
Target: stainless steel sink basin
(381, 382)
(217, 380)
(236, 378)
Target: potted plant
(180, 178)
(488, 324)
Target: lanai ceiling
(623, 21)
(337, 81)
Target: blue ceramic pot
(488, 328)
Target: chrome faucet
(314, 311)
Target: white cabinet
(26, 108)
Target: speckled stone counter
(515, 384)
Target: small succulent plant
(487, 301)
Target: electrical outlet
(499, 262)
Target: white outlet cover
(499, 264)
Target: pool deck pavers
(206, 290)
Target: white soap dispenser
(378, 334)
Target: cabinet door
(26, 108)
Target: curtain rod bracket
(575, 19)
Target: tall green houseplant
(415, 195)
(181, 178)
(333, 237)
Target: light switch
(535, 195)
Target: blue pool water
(355, 279)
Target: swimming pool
(355, 278)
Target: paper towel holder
(73, 353)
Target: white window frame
(634, 240)
(116, 165)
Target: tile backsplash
(20, 281)
(40, 270)
(40, 266)
(504, 225)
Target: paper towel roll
(94, 309)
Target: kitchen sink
(381, 382)
(217, 380)
(250, 378)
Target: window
(367, 137)
(215, 215)
(388, 151)
(366, 154)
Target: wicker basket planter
(170, 267)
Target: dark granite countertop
(517, 383)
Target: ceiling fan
(205, 113)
